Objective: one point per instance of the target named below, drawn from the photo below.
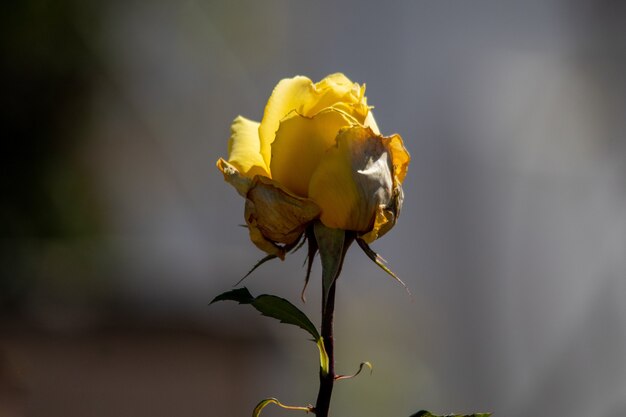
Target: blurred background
(117, 229)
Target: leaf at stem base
(424, 413)
(260, 406)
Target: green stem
(333, 245)
(322, 406)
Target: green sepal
(424, 413)
(378, 260)
(260, 406)
(272, 306)
(293, 247)
(332, 245)
(310, 257)
(258, 264)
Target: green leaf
(260, 406)
(424, 413)
(283, 310)
(330, 243)
(272, 306)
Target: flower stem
(322, 405)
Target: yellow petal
(277, 215)
(300, 95)
(288, 95)
(334, 90)
(337, 91)
(353, 180)
(371, 122)
(244, 148)
(233, 177)
(300, 144)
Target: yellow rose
(317, 154)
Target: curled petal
(353, 180)
(288, 95)
(244, 148)
(301, 143)
(336, 90)
(275, 216)
(300, 95)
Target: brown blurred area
(126, 370)
(116, 230)
(70, 345)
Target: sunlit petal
(300, 95)
(289, 95)
(301, 143)
(244, 148)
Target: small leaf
(241, 295)
(324, 360)
(272, 306)
(260, 406)
(378, 260)
(424, 413)
(369, 365)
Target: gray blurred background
(117, 229)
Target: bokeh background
(117, 229)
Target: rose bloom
(316, 154)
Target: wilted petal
(233, 177)
(386, 217)
(261, 242)
(353, 180)
(399, 155)
(301, 143)
(244, 148)
(279, 216)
